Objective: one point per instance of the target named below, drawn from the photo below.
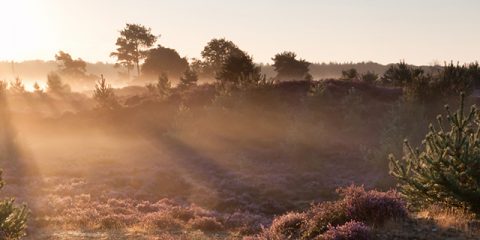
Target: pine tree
(447, 169)
(162, 88)
(17, 86)
(104, 95)
(13, 219)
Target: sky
(386, 31)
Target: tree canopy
(132, 44)
(164, 60)
(74, 68)
(289, 68)
(239, 69)
(216, 53)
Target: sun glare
(21, 24)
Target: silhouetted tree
(131, 44)
(289, 68)
(369, 77)
(70, 67)
(188, 79)
(55, 84)
(238, 70)
(455, 79)
(104, 95)
(13, 219)
(401, 74)
(162, 88)
(17, 86)
(164, 60)
(216, 53)
(350, 74)
(124, 58)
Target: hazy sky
(385, 31)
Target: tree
(124, 58)
(162, 88)
(350, 74)
(188, 80)
(238, 70)
(369, 77)
(447, 169)
(13, 219)
(289, 68)
(70, 67)
(401, 74)
(17, 86)
(104, 95)
(164, 60)
(131, 44)
(55, 84)
(216, 53)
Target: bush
(342, 219)
(104, 95)
(205, 224)
(372, 207)
(447, 170)
(288, 226)
(352, 230)
(13, 219)
(321, 216)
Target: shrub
(352, 230)
(13, 219)
(339, 219)
(162, 89)
(322, 215)
(104, 95)
(160, 220)
(373, 206)
(447, 170)
(205, 224)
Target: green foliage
(13, 219)
(104, 95)
(447, 170)
(162, 89)
(289, 68)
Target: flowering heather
(372, 206)
(351, 230)
(342, 219)
(288, 226)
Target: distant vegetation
(222, 147)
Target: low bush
(352, 230)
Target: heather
(215, 149)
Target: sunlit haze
(420, 32)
